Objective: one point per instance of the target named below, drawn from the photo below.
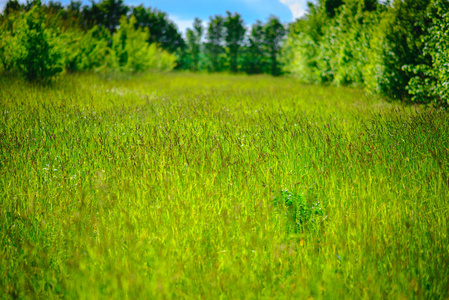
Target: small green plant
(299, 211)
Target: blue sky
(182, 12)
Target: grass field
(219, 187)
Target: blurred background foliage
(395, 48)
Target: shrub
(302, 54)
(130, 52)
(39, 53)
(431, 81)
(399, 50)
(334, 50)
(85, 51)
(298, 210)
(31, 48)
(404, 33)
(8, 56)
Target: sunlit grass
(184, 185)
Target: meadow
(183, 185)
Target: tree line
(105, 14)
(397, 48)
(227, 45)
(93, 33)
(40, 41)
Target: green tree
(35, 55)
(342, 50)
(430, 83)
(71, 17)
(130, 52)
(331, 6)
(85, 51)
(106, 13)
(214, 42)
(161, 30)
(346, 56)
(404, 33)
(274, 33)
(74, 6)
(234, 37)
(12, 6)
(194, 38)
(255, 61)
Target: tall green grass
(217, 186)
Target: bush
(334, 50)
(399, 50)
(30, 48)
(39, 53)
(85, 51)
(301, 54)
(431, 81)
(404, 34)
(130, 53)
(300, 213)
(7, 46)
(346, 53)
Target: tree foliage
(162, 31)
(106, 13)
(130, 53)
(29, 48)
(214, 42)
(194, 38)
(255, 61)
(430, 79)
(391, 48)
(85, 36)
(229, 45)
(234, 37)
(41, 41)
(274, 33)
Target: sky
(183, 12)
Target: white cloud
(182, 24)
(297, 7)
